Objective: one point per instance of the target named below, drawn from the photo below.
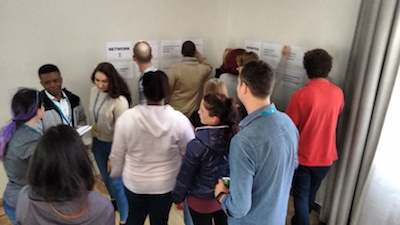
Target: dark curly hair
(318, 63)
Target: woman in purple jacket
(206, 160)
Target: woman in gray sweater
(18, 140)
(61, 181)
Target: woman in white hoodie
(149, 144)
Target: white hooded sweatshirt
(148, 147)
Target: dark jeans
(306, 182)
(206, 218)
(157, 206)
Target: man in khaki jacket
(186, 79)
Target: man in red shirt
(314, 109)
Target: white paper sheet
(296, 56)
(119, 51)
(271, 53)
(124, 68)
(171, 48)
(198, 42)
(253, 46)
(294, 78)
(83, 129)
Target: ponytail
(6, 135)
(24, 106)
(232, 118)
(225, 109)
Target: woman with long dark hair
(18, 141)
(60, 184)
(109, 98)
(206, 160)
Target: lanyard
(31, 128)
(96, 114)
(269, 112)
(62, 114)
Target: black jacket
(206, 160)
(52, 116)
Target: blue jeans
(157, 206)
(306, 182)
(10, 211)
(186, 214)
(115, 187)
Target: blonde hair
(226, 52)
(246, 57)
(215, 86)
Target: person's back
(263, 154)
(320, 103)
(154, 145)
(60, 184)
(142, 56)
(315, 110)
(35, 211)
(230, 71)
(206, 159)
(18, 142)
(149, 143)
(19, 150)
(186, 80)
(269, 142)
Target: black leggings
(206, 218)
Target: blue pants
(157, 206)
(10, 211)
(186, 214)
(306, 182)
(115, 187)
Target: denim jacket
(262, 160)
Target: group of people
(187, 133)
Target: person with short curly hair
(315, 110)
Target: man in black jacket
(61, 106)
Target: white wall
(73, 34)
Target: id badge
(95, 129)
